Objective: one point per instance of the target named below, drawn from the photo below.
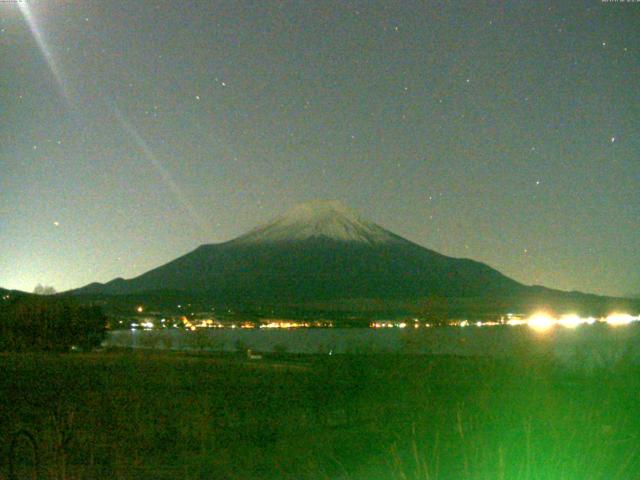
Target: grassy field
(137, 415)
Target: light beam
(36, 32)
(164, 173)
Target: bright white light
(571, 320)
(616, 319)
(514, 322)
(540, 322)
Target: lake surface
(588, 345)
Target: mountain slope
(319, 250)
(323, 252)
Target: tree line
(53, 324)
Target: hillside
(323, 254)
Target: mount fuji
(322, 251)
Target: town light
(616, 319)
(540, 322)
(571, 320)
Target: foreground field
(167, 415)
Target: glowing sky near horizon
(504, 133)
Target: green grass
(170, 415)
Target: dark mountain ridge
(322, 252)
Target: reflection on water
(589, 344)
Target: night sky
(133, 131)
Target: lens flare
(617, 319)
(514, 322)
(571, 320)
(540, 322)
(26, 12)
(142, 145)
(160, 168)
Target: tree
(44, 290)
(50, 324)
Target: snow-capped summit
(328, 219)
